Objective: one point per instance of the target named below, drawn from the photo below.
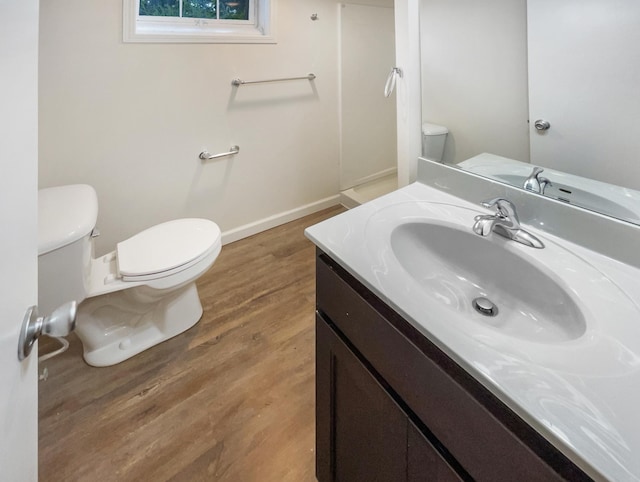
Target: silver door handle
(59, 323)
(541, 125)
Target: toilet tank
(66, 219)
(433, 140)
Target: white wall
(474, 75)
(368, 118)
(131, 119)
(376, 3)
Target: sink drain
(484, 306)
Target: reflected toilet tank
(433, 141)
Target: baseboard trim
(347, 201)
(371, 178)
(256, 227)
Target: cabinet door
(361, 434)
(424, 462)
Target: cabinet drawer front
(459, 412)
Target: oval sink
(454, 267)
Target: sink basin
(553, 308)
(426, 256)
(455, 266)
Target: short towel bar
(205, 156)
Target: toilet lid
(166, 246)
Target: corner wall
(367, 117)
(131, 119)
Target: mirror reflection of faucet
(505, 223)
(535, 182)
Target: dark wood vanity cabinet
(367, 435)
(391, 406)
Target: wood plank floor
(231, 399)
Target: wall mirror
(553, 84)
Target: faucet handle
(536, 170)
(504, 207)
(489, 203)
(544, 183)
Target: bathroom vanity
(391, 406)
(413, 384)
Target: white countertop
(582, 395)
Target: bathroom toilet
(433, 141)
(131, 299)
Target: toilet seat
(166, 249)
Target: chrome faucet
(536, 183)
(505, 223)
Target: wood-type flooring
(231, 399)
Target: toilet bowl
(133, 298)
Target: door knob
(541, 125)
(59, 323)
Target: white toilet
(434, 138)
(131, 299)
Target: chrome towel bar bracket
(205, 156)
(238, 82)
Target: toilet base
(117, 326)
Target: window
(199, 21)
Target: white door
(18, 233)
(584, 79)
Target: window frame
(148, 29)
